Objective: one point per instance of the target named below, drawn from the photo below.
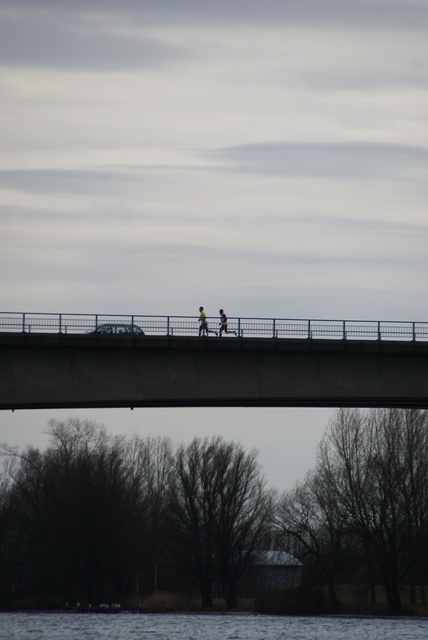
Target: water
(128, 626)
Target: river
(128, 626)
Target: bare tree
(9, 536)
(79, 514)
(311, 526)
(149, 462)
(243, 515)
(190, 519)
(219, 509)
(366, 498)
(370, 467)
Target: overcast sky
(270, 158)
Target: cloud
(355, 160)
(106, 35)
(366, 78)
(406, 14)
(91, 181)
(53, 41)
(342, 160)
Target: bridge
(83, 361)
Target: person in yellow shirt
(203, 327)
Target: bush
(165, 601)
(293, 601)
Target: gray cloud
(102, 35)
(336, 160)
(362, 79)
(384, 14)
(371, 226)
(50, 40)
(341, 159)
(77, 181)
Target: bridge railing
(240, 327)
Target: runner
(223, 324)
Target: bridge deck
(64, 370)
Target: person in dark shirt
(223, 323)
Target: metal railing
(189, 325)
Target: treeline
(96, 518)
(101, 519)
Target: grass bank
(353, 600)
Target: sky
(269, 158)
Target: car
(119, 328)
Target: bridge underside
(83, 371)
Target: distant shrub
(293, 601)
(165, 601)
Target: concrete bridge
(88, 370)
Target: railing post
(414, 331)
(273, 328)
(60, 323)
(239, 327)
(132, 324)
(344, 330)
(96, 321)
(379, 332)
(167, 325)
(309, 328)
(23, 323)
